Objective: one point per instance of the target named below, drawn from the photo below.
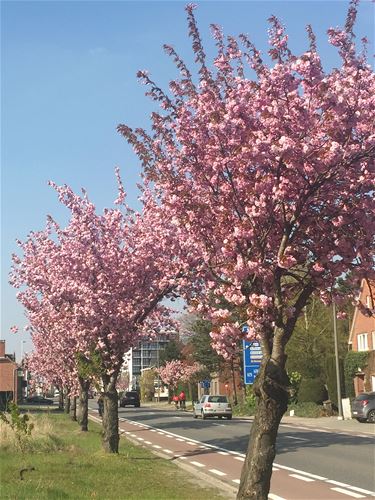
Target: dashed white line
(140, 439)
(198, 464)
(274, 469)
(168, 451)
(156, 446)
(237, 481)
(217, 472)
(190, 442)
(302, 478)
(148, 442)
(181, 440)
(272, 496)
(241, 459)
(355, 488)
(349, 493)
(223, 453)
(182, 458)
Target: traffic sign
(252, 358)
(205, 384)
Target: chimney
(2, 348)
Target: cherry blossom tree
(101, 280)
(176, 371)
(271, 171)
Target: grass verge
(74, 467)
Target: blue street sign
(205, 384)
(252, 357)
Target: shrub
(352, 362)
(308, 409)
(295, 382)
(312, 390)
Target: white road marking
(204, 448)
(241, 459)
(162, 433)
(217, 472)
(179, 439)
(296, 438)
(190, 442)
(168, 451)
(133, 435)
(152, 430)
(140, 439)
(198, 464)
(271, 496)
(302, 478)
(222, 453)
(182, 458)
(275, 469)
(148, 442)
(156, 446)
(346, 492)
(237, 481)
(354, 488)
(314, 476)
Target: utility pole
(338, 378)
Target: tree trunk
(83, 404)
(110, 416)
(61, 400)
(67, 404)
(271, 390)
(73, 409)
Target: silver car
(212, 406)
(363, 407)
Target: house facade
(10, 378)
(362, 339)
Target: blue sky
(68, 78)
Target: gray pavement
(332, 424)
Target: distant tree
(173, 350)
(312, 342)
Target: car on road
(130, 398)
(39, 400)
(212, 406)
(363, 407)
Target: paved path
(223, 467)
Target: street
(309, 464)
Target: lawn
(69, 464)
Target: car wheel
(195, 415)
(229, 417)
(362, 420)
(203, 416)
(371, 416)
(219, 416)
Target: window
(362, 342)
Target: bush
(295, 382)
(308, 409)
(312, 390)
(247, 406)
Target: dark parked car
(39, 400)
(363, 407)
(130, 398)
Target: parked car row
(39, 400)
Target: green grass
(75, 467)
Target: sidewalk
(322, 423)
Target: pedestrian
(175, 399)
(182, 398)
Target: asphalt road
(339, 457)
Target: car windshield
(363, 396)
(131, 394)
(218, 399)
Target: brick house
(362, 339)
(10, 378)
